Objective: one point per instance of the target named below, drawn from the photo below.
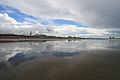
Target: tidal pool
(60, 60)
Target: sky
(84, 18)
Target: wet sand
(23, 40)
(60, 60)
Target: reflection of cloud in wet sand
(91, 65)
(60, 60)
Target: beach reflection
(56, 60)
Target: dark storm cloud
(102, 13)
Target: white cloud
(69, 29)
(5, 19)
(95, 13)
(72, 30)
(10, 25)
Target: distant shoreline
(18, 38)
(25, 38)
(47, 39)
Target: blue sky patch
(21, 17)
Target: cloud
(114, 32)
(72, 30)
(69, 30)
(5, 19)
(94, 13)
(101, 17)
(10, 25)
(21, 17)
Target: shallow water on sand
(60, 60)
